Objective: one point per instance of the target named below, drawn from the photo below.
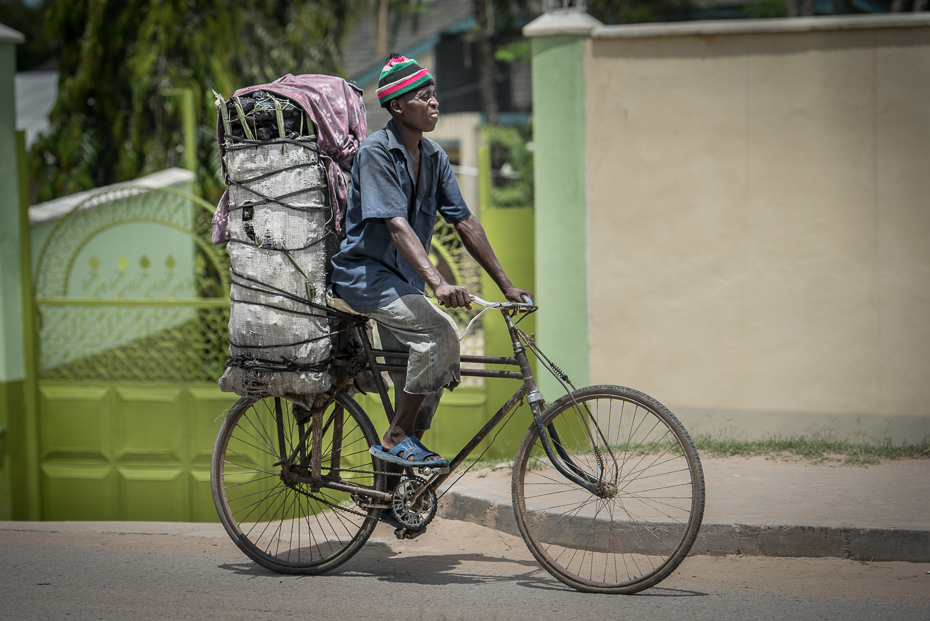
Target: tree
(487, 70)
(635, 11)
(27, 17)
(121, 64)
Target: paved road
(456, 571)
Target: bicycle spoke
(645, 518)
(279, 522)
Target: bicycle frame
(528, 390)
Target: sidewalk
(771, 507)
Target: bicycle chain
(333, 505)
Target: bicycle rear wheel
(641, 526)
(289, 527)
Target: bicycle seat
(340, 305)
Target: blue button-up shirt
(369, 271)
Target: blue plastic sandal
(411, 447)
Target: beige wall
(759, 223)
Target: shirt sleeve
(380, 190)
(451, 204)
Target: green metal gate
(133, 305)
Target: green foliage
(518, 51)
(635, 11)
(817, 447)
(117, 116)
(27, 17)
(512, 155)
(766, 8)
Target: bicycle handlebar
(509, 305)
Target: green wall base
(11, 403)
(128, 451)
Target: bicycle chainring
(413, 512)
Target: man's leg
(415, 325)
(404, 422)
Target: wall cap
(567, 22)
(8, 35)
(52, 210)
(756, 26)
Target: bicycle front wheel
(642, 521)
(291, 527)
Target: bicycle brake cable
(562, 378)
(512, 412)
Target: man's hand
(515, 294)
(476, 243)
(453, 296)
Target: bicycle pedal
(403, 533)
(428, 471)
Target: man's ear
(395, 106)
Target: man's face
(419, 110)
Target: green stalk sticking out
(223, 112)
(242, 119)
(280, 116)
(311, 292)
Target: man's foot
(409, 452)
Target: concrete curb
(814, 539)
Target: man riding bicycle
(400, 181)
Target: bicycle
(608, 491)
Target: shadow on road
(381, 562)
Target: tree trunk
(807, 7)
(841, 7)
(487, 70)
(381, 47)
(791, 8)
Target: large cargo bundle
(281, 242)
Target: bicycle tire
(290, 528)
(621, 544)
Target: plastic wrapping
(281, 243)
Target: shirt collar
(427, 146)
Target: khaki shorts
(413, 324)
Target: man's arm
(476, 243)
(412, 250)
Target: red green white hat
(401, 75)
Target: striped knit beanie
(401, 75)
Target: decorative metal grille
(451, 258)
(110, 310)
(457, 266)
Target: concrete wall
(12, 365)
(12, 343)
(561, 234)
(758, 217)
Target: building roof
(8, 35)
(408, 34)
(54, 209)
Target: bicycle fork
(549, 437)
